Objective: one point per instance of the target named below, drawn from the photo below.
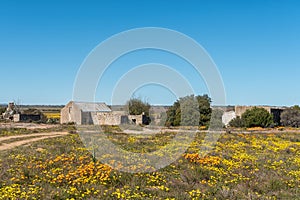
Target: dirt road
(22, 139)
(30, 126)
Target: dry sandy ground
(27, 125)
(22, 139)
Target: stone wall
(137, 118)
(114, 118)
(110, 118)
(239, 110)
(70, 113)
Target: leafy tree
(204, 109)
(216, 119)
(189, 110)
(257, 117)
(137, 106)
(291, 117)
(174, 115)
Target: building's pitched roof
(92, 107)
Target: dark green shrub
(257, 117)
(291, 117)
(236, 122)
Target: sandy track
(30, 126)
(38, 136)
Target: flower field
(241, 166)
(54, 115)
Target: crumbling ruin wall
(137, 119)
(114, 118)
(110, 118)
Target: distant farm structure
(99, 113)
(237, 111)
(274, 110)
(90, 113)
(15, 114)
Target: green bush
(137, 106)
(291, 117)
(236, 122)
(257, 117)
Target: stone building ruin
(15, 114)
(11, 110)
(90, 113)
(239, 110)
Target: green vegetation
(236, 122)
(190, 111)
(255, 117)
(291, 117)
(137, 107)
(216, 119)
(241, 166)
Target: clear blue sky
(255, 45)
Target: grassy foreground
(242, 166)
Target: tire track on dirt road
(39, 136)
